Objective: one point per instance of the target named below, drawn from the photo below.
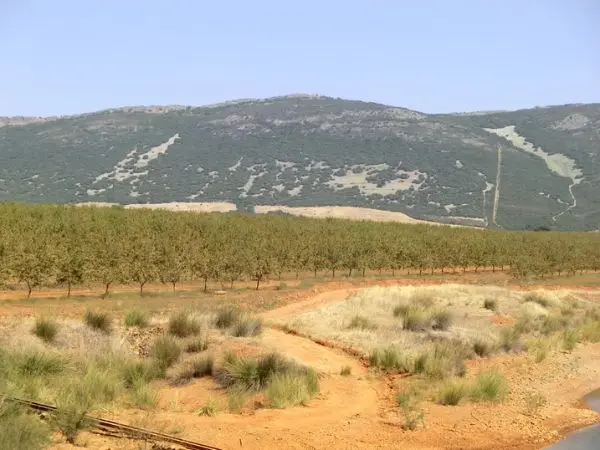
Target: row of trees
(47, 245)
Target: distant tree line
(52, 245)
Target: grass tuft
(452, 392)
(20, 429)
(165, 351)
(482, 348)
(346, 371)
(389, 359)
(536, 298)
(35, 364)
(100, 321)
(208, 409)
(136, 319)
(489, 387)
(247, 326)
(182, 324)
(441, 320)
(361, 323)
(227, 318)
(415, 319)
(291, 389)
(46, 329)
(570, 339)
(202, 367)
(196, 345)
(490, 304)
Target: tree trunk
(173, 283)
(363, 272)
(257, 282)
(231, 284)
(142, 283)
(297, 274)
(205, 283)
(349, 272)
(28, 290)
(106, 287)
(332, 273)
(393, 272)
(68, 288)
(315, 273)
(493, 268)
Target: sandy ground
(359, 411)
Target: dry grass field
(445, 362)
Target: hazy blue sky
(69, 56)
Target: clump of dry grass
(182, 324)
(361, 323)
(98, 320)
(196, 345)
(227, 317)
(165, 351)
(490, 304)
(46, 329)
(489, 386)
(247, 326)
(136, 318)
(452, 392)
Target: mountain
(537, 167)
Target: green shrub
(570, 339)
(415, 319)
(136, 372)
(20, 430)
(441, 320)
(73, 403)
(290, 389)
(182, 324)
(489, 387)
(202, 367)
(165, 351)
(136, 319)
(98, 320)
(536, 298)
(143, 395)
(346, 371)
(442, 360)
(247, 326)
(540, 350)
(361, 323)
(35, 363)
(590, 331)
(482, 348)
(388, 359)
(551, 324)
(452, 392)
(401, 310)
(46, 329)
(413, 414)
(490, 304)
(209, 409)
(196, 345)
(227, 317)
(525, 324)
(510, 340)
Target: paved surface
(588, 439)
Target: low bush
(441, 320)
(196, 345)
(136, 319)
(489, 387)
(590, 331)
(416, 319)
(413, 414)
(136, 372)
(227, 317)
(442, 360)
(361, 323)
(73, 402)
(389, 359)
(452, 392)
(291, 389)
(510, 340)
(46, 329)
(98, 320)
(570, 339)
(21, 430)
(208, 409)
(551, 324)
(539, 299)
(483, 348)
(346, 371)
(33, 363)
(490, 304)
(247, 326)
(401, 310)
(182, 324)
(142, 395)
(165, 351)
(540, 348)
(203, 366)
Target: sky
(72, 56)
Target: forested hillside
(512, 170)
(66, 245)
